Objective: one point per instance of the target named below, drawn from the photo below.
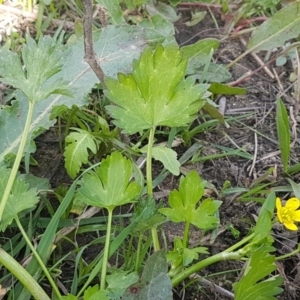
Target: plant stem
(149, 162)
(25, 278)
(240, 243)
(155, 239)
(17, 162)
(38, 258)
(106, 249)
(288, 254)
(149, 183)
(186, 234)
(204, 263)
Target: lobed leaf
(22, 197)
(76, 151)
(167, 157)
(115, 47)
(109, 185)
(251, 286)
(41, 60)
(156, 92)
(183, 203)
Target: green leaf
(162, 26)
(224, 89)
(213, 111)
(167, 157)
(283, 131)
(295, 186)
(22, 197)
(94, 293)
(115, 56)
(214, 73)
(148, 215)
(183, 202)
(114, 10)
(109, 185)
(119, 281)
(282, 26)
(251, 286)
(154, 283)
(264, 222)
(156, 93)
(196, 18)
(162, 9)
(200, 51)
(76, 151)
(41, 61)
(204, 217)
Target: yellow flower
(288, 214)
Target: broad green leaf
(283, 131)
(204, 217)
(94, 293)
(109, 185)
(162, 26)
(183, 202)
(282, 26)
(224, 89)
(116, 47)
(76, 151)
(200, 51)
(252, 286)
(167, 157)
(162, 9)
(22, 197)
(155, 282)
(156, 93)
(41, 61)
(114, 10)
(119, 281)
(214, 73)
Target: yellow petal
(293, 203)
(291, 226)
(296, 215)
(278, 204)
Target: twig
(258, 60)
(89, 54)
(213, 286)
(254, 155)
(294, 127)
(212, 6)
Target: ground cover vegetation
(130, 108)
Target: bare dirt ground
(255, 132)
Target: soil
(255, 132)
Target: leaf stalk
(106, 249)
(18, 159)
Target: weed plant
(151, 88)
